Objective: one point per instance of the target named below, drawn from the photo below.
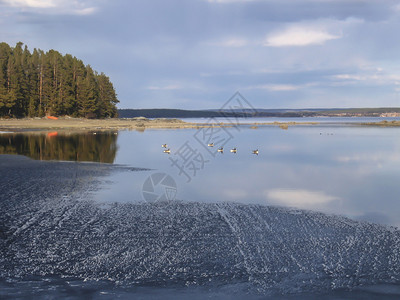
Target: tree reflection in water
(88, 146)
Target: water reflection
(346, 170)
(89, 146)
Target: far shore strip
(140, 124)
(120, 124)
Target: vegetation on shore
(257, 113)
(140, 124)
(383, 123)
(38, 84)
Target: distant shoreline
(140, 124)
(260, 113)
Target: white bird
(164, 145)
(255, 151)
(234, 150)
(167, 151)
(210, 145)
(221, 150)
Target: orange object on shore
(52, 134)
(52, 118)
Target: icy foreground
(50, 226)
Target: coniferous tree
(69, 86)
(5, 52)
(88, 94)
(33, 83)
(39, 84)
(107, 96)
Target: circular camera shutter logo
(159, 187)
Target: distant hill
(314, 112)
(175, 113)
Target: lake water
(345, 170)
(323, 120)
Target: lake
(336, 169)
(347, 170)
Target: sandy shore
(95, 124)
(120, 124)
(383, 124)
(139, 124)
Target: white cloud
(378, 78)
(277, 87)
(86, 11)
(299, 36)
(53, 6)
(298, 198)
(31, 3)
(281, 87)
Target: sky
(195, 54)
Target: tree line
(42, 83)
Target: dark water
(231, 228)
(92, 146)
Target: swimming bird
(221, 150)
(234, 150)
(164, 145)
(167, 151)
(255, 151)
(210, 145)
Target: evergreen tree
(5, 53)
(69, 86)
(107, 96)
(88, 94)
(39, 84)
(33, 83)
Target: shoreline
(141, 124)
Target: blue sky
(195, 54)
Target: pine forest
(42, 84)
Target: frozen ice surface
(50, 226)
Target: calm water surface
(347, 170)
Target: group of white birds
(220, 150)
